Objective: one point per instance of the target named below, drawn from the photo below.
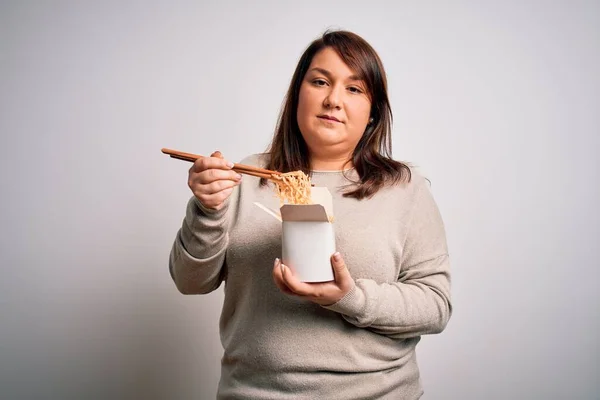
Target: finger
(212, 175)
(214, 187)
(339, 266)
(217, 154)
(213, 199)
(278, 278)
(204, 163)
(294, 284)
(341, 275)
(217, 190)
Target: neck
(329, 163)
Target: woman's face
(333, 107)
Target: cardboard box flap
(273, 213)
(322, 196)
(305, 213)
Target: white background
(497, 102)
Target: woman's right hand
(212, 180)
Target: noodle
(293, 188)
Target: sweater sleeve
(418, 302)
(197, 259)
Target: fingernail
(230, 164)
(239, 176)
(282, 268)
(276, 261)
(337, 256)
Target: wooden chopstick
(240, 168)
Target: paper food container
(308, 236)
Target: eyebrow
(328, 74)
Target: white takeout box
(308, 236)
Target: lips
(329, 118)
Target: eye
(355, 89)
(319, 82)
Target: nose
(333, 98)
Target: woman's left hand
(323, 293)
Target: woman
(354, 337)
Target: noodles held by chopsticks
(293, 187)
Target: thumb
(217, 154)
(339, 268)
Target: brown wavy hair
(372, 155)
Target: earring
(371, 121)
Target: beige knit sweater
(280, 347)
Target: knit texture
(281, 347)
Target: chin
(323, 141)
(327, 135)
